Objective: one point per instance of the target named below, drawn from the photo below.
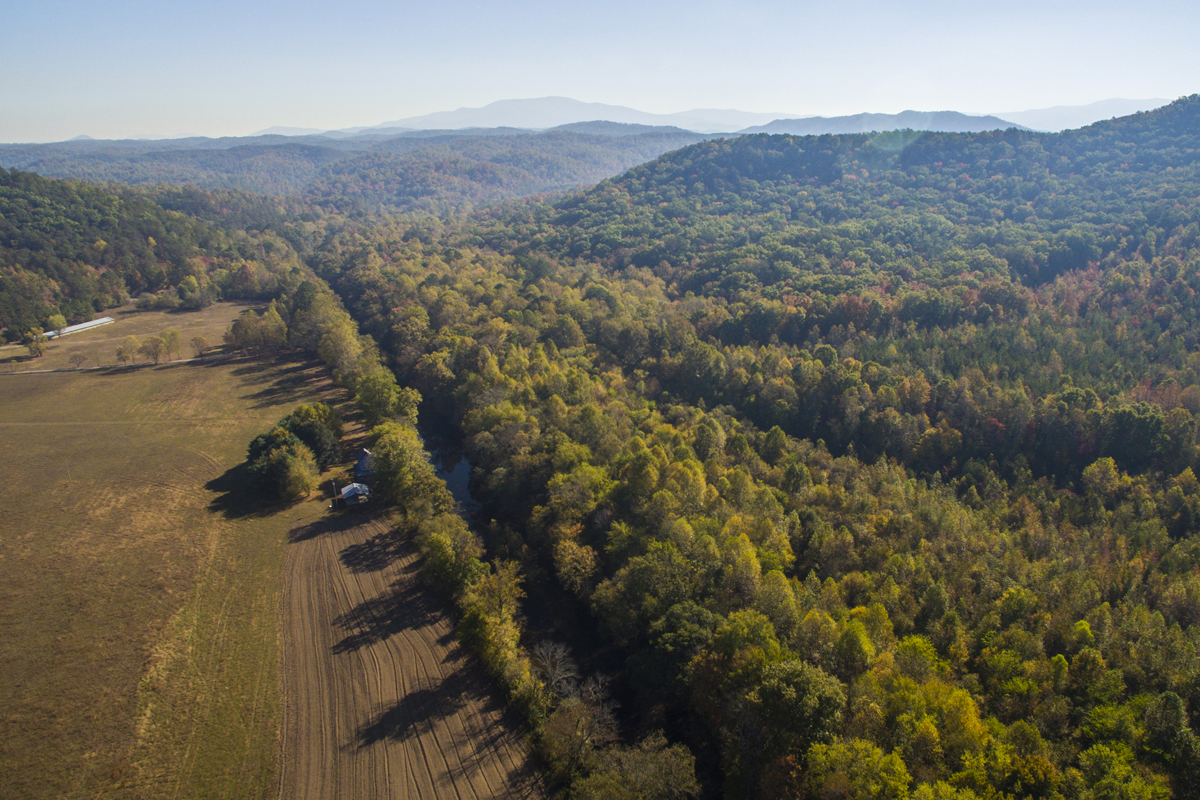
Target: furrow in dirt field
(379, 699)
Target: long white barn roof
(83, 326)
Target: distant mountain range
(1061, 118)
(389, 167)
(545, 113)
(941, 121)
(404, 167)
(550, 112)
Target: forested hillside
(418, 170)
(75, 249)
(879, 474)
(449, 172)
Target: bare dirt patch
(379, 699)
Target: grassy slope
(99, 345)
(138, 594)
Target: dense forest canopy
(865, 464)
(75, 249)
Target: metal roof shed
(356, 494)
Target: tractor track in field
(380, 700)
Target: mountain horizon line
(543, 113)
(552, 112)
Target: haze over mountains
(940, 121)
(547, 113)
(1060, 118)
(468, 156)
(551, 112)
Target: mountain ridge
(1060, 118)
(540, 113)
(939, 121)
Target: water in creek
(451, 465)
(457, 475)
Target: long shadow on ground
(236, 496)
(289, 384)
(418, 710)
(374, 554)
(333, 522)
(404, 606)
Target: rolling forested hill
(74, 249)
(417, 170)
(873, 458)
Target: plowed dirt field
(380, 701)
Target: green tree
(774, 445)
(35, 342)
(154, 347)
(129, 349)
(273, 330)
(377, 395)
(340, 347)
(854, 651)
(57, 322)
(500, 591)
(171, 342)
(1109, 775)
(289, 473)
(403, 474)
(852, 769)
(651, 770)
(797, 706)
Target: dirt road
(380, 701)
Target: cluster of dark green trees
(285, 461)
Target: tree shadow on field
(483, 755)
(374, 554)
(334, 522)
(416, 713)
(476, 749)
(236, 496)
(250, 368)
(290, 382)
(405, 606)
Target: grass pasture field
(99, 345)
(139, 586)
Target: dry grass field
(139, 586)
(99, 345)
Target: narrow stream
(451, 466)
(456, 472)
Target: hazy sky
(119, 68)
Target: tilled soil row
(380, 700)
